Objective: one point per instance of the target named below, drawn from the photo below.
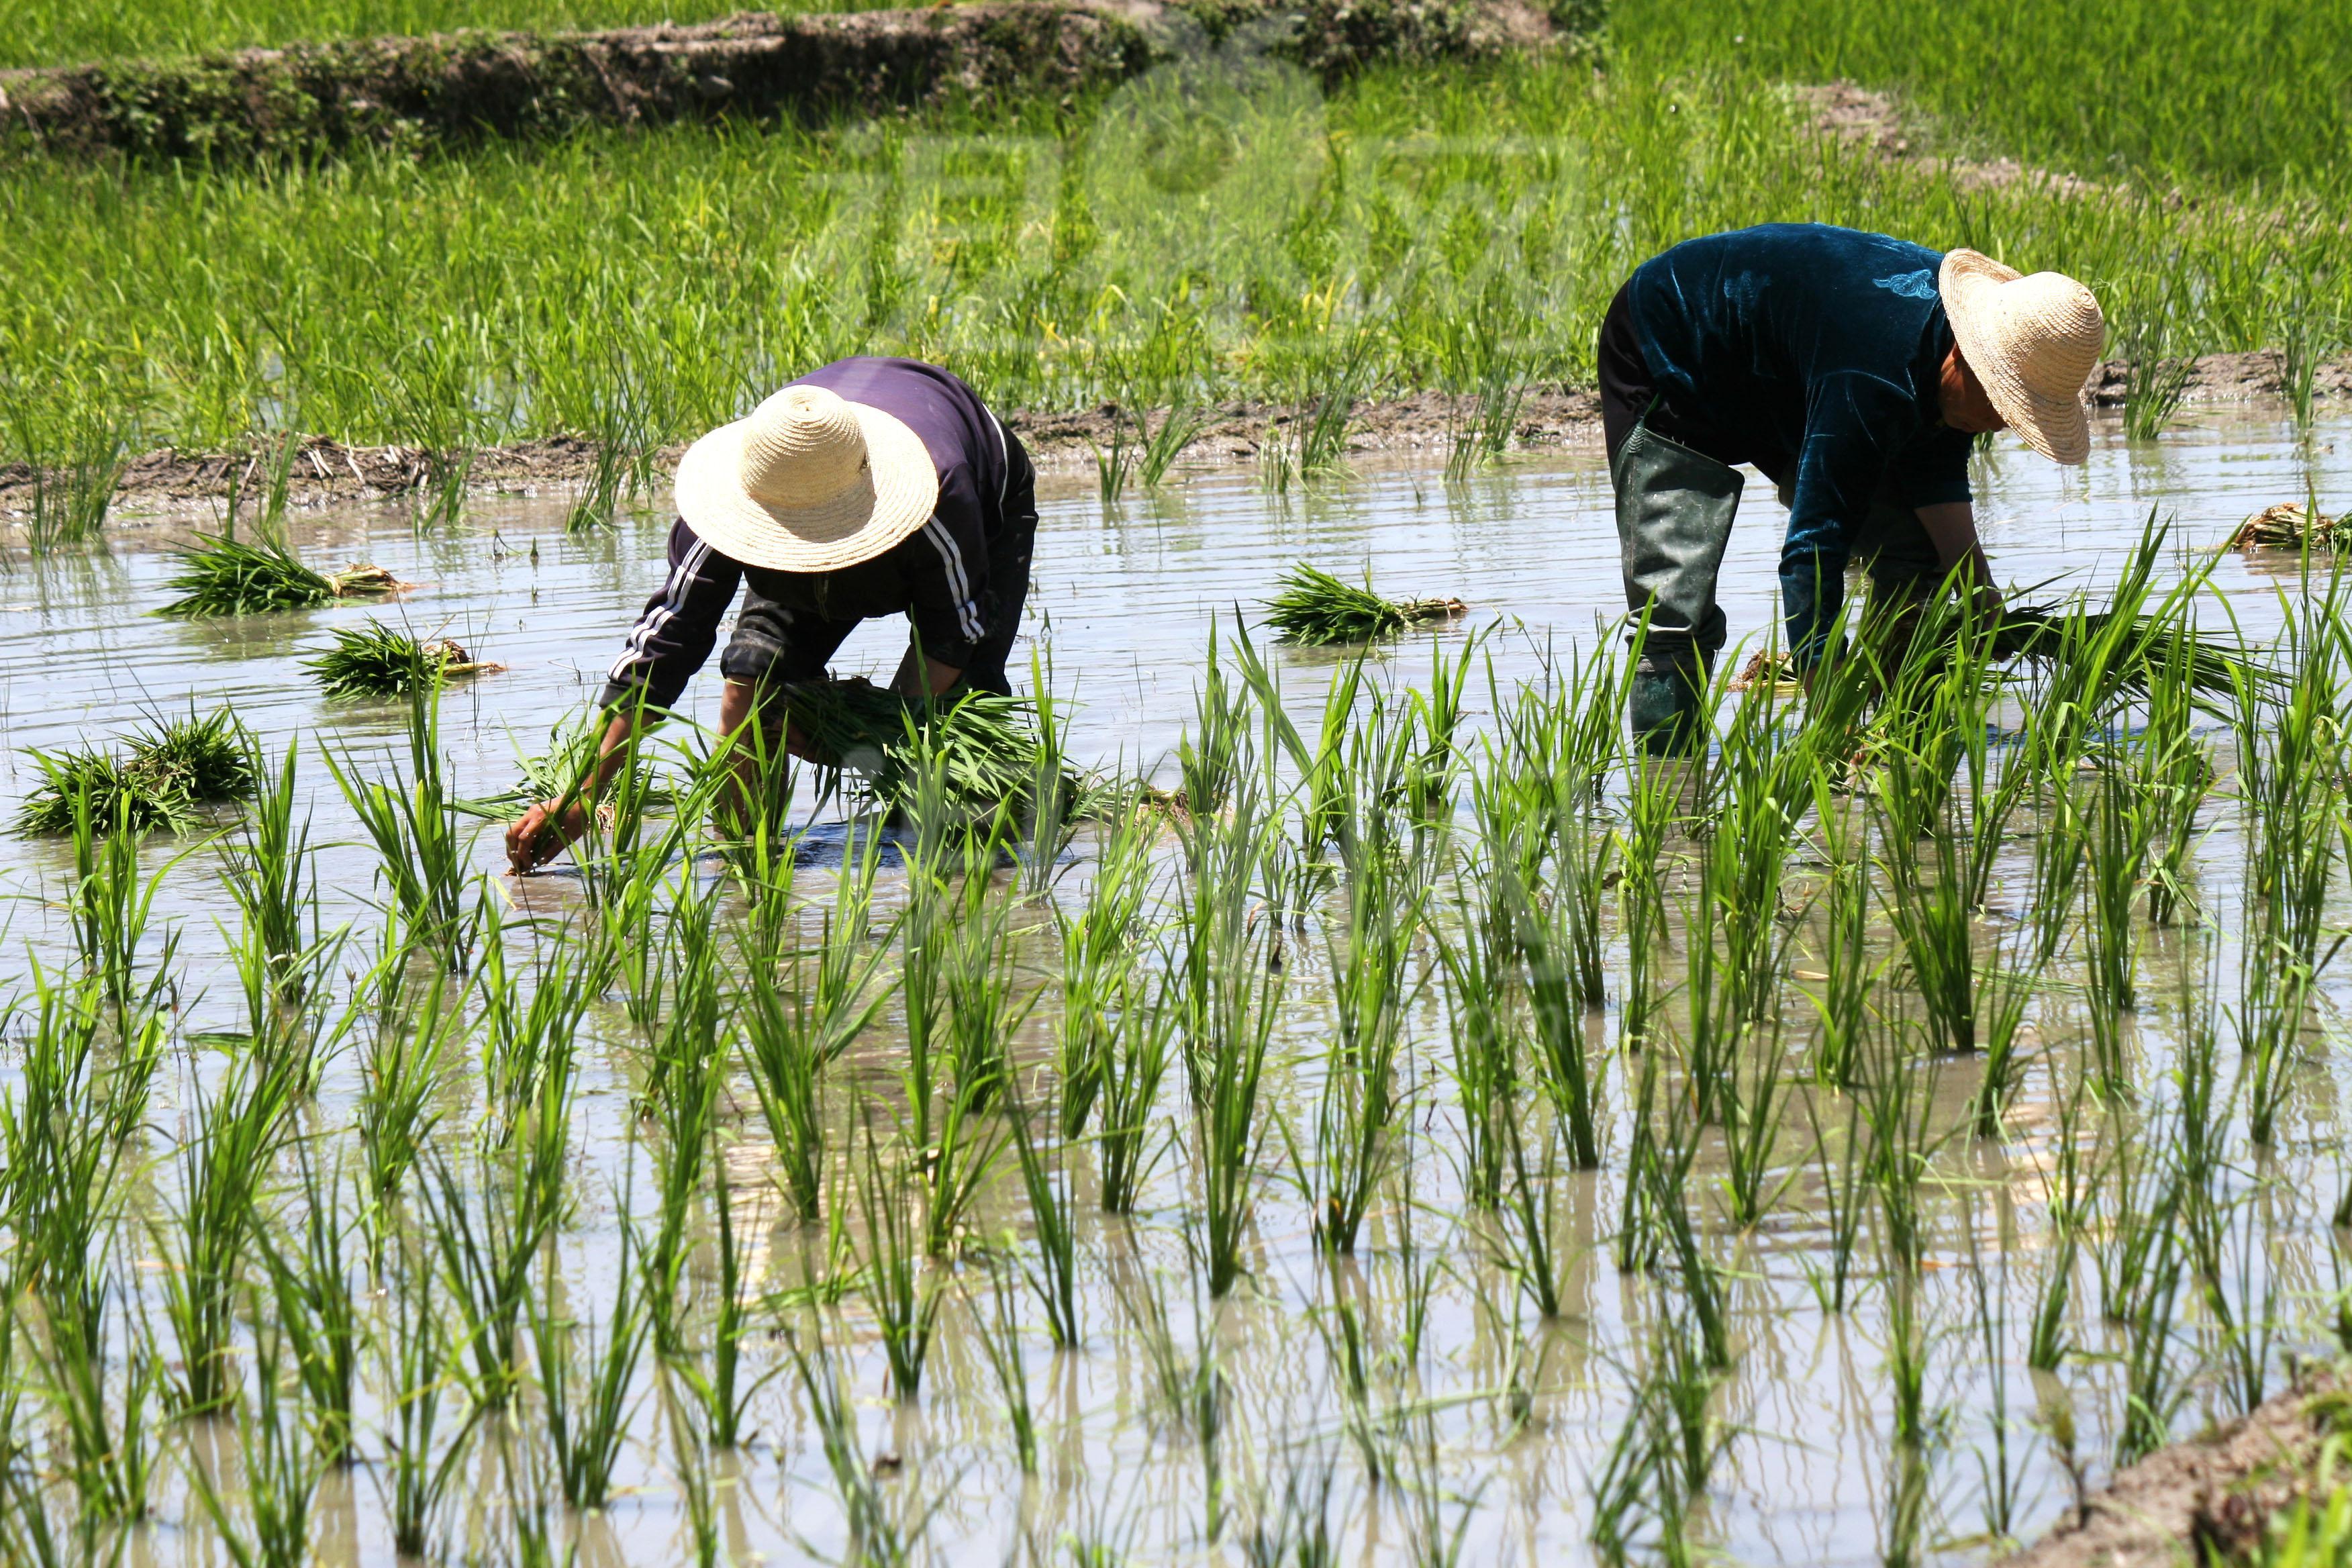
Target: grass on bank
(1436, 228)
(158, 776)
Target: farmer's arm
(671, 641)
(947, 576)
(1932, 475)
(1838, 471)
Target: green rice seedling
(2155, 381)
(1526, 1219)
(377, 661)
(1485, 1052)
(998, 1330)
(110, 906)
(685, 1078)
(1339, 1324)
(1437, 1522)
(563, 771)
(279, 1464)
(529, 1047)
(2153, 1387)
(900, 1288)
(421, 1458)
(76, 455)
(271, 874)
(210, 1234)
(987, 1004)
(316, 1307)
(1848, 974)
(1650, 805)
(880, 1532)
(984, 745)
(723, 1393)
(1753, 1099)
(413, 824)
(1101, 952)
(1437, 713)
(2174, 779)
(1179, 428)
(2072, 1199)
(1565, 1065)
(2009, 989)
(1126, 1145)
(690, 1464)
(586, 1372)
(2117, 864)
(487, 1234)
(1700, 1280)
(2145, 1196)
(1325, 783)
(401, 1069)
(165, 774)
(1897, 1099)
(1841, 1174)
(1370, 959)
(1932, 914)
(221, 575)
(1211, 753)
(1231, 1136)
(1314, 609)
(1906, 1364)
(103, 1437)
(1663, 1455)
(1055, 794)
(1045, 1180)
(1297, 1530)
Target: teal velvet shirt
(1813, 353)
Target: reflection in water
(1477, 1411)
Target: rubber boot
(1662, 708)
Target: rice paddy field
(1464, 1142)
(1296, 1086)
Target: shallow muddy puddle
(1485, 1431)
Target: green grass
(453, 303)
(66, 32)
(2175, 88)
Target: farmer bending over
(1852, 368)
(872, 487)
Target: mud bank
(326, 471)
(308, 99)
(2209, 1499)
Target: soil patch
(325, 471)
(2206, 1501)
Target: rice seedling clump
(1315, 609)
(987, 751)
(156, 782)
(377, 660)
(222, 576)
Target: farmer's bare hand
(540, 836)
(797, 744)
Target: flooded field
(1720, 1292)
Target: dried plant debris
(2293, 525)
(223, 576)
(377, 660)
(1766, 667)
(156, 780)
(1314, 609)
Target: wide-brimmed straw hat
(809, 481)
(2032, 342)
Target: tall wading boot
(1674, 507)
(1663, 707)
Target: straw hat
(2032, 342)
(808, 482)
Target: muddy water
(1125, 599)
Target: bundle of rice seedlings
(985, 743)
(2039, 632)
(1765, 668)
(376, 660)
(163, 774)
(570, 747)
(1314, 609)
(222, 576)
(2292, 525)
